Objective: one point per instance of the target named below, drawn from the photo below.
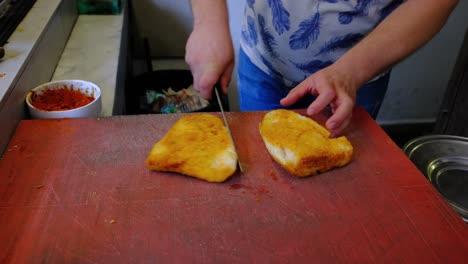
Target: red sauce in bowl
(60, 99)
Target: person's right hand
(210, 55)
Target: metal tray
(443, 159)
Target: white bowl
(93, 109)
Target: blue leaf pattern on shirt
(272, 71)
(310, 39)
(307, 33)
(280, 16)
(251, 3)
(341, 42)
(384, 12)
(313, 66)
(361, 9)
(245, 36)
(250, 34)
(267, 37)
(346, 17)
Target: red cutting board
(78, 191)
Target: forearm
(210, 12)
(406, 29)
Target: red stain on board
(237, 186)
(273, 176)
(258, 190)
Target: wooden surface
(77, 191)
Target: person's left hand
(330, 88)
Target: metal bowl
(443, 159)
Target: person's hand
(330, 88)
(210, 55)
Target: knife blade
(216, 91)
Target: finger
(338, 131)
(207, 81)
(226, 78)
(323, 99)
(342, 116)
(196, 78)
(296, 93)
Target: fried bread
(302, 146)
(197, 145)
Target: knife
(217, 91)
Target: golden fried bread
(198, 145)
(301, 145)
